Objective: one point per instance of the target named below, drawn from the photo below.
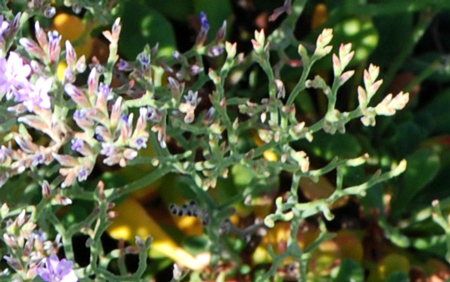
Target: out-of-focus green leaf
(349, 270)
(144, 25)
(78, 211)
(435, 116)
(242, 176)
(394, 31)
(404, 138)
(173, 9)
(437, 189)
(195, 244)
(329, 146)
(398, 277)
(422, 168)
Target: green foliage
(231, 139)
(349, 270)
(143, 25)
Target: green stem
(142, 182)
(300, 86)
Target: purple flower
(77, 144)
(57, 270)
(154, 114)
(36, 95)
(215, 51)
(123, 65)
(83, 118)
(204, 21)
(13, 73)
(82, 174)
(105, 91)
(140, 143)
(109, 149)
(192, 99)
(144, 59)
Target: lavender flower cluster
(41, 104)
(95, 119)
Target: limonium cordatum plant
(65, 132)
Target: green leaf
(394, 32)
(423, 167)
(173, 9)
(329, 146)
(349, 270)
(435, 116)
(195, 244)
(437, 189)
(144, 25)
(242, 175)
(398, 277)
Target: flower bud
(77, 96)
(230, 49)
(49, 12)
(46, 189)
(346, 76)
(222, 32)
(81, 64)
(71, 55)
(303, 52)
(259, 42)
(41, 36)
(324, 38)
(32, 48)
